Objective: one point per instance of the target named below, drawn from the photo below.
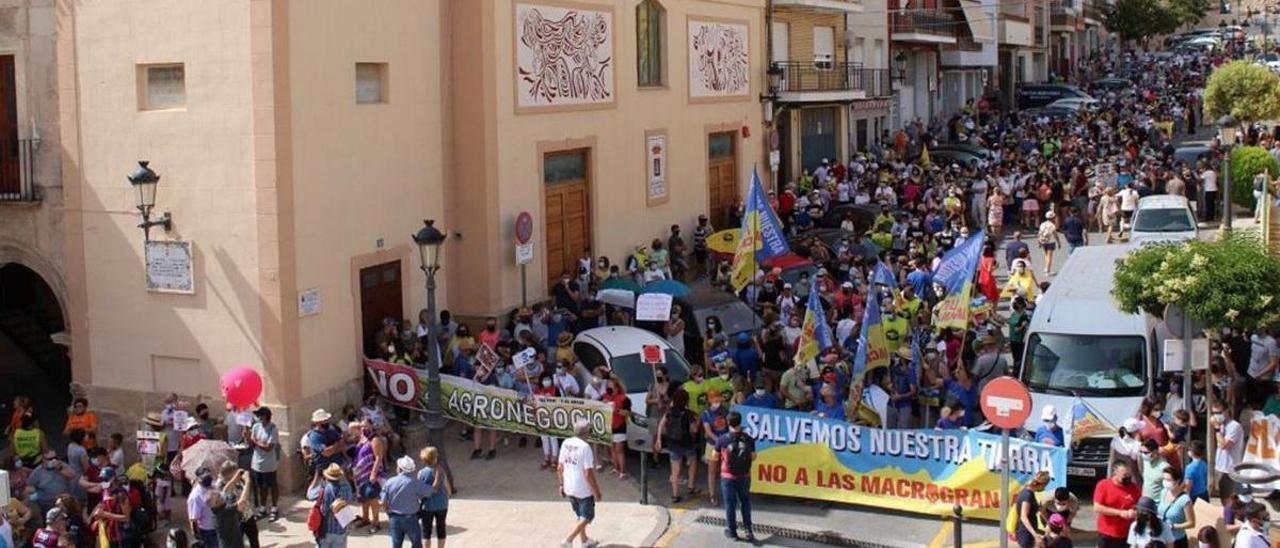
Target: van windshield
(1086, 365)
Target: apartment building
(299, 143)
(1022, 30)
(829, 86)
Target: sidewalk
(507, 501)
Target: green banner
(483, 406)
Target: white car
(1269, 60)
(1075, 103)
(1163, 218)
(619, 348)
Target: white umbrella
(617, 297)
(207, 454)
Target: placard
(653, 307)
(652, 354)
(524, 357)
(309, 302)
(169, 268)
(655, 151)
(1173, 355)
(148, 442)
(244, 419)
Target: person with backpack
(330, 497)
(678, 430)
(737, 451)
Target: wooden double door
(722, 178)
(567, 208)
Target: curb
(663, 523)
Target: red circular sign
(524, 227)
(1006, 402)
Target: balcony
(1013, 30)
(930, 26)
(1062, 19)
(847, 6)
(1092, 14)
(17, 171)
(810, 82)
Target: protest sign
(922, 471)
(1264, 448)
(486, 406)
(653, 307)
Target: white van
(1080, 344)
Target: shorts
(620, 434)
(680, 452)
(1126, 215)
(709, 454)
(584, 508)
(264, 479)
(437, 517)
(1049, 246)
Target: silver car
(1163, 218)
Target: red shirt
(620, 402)
(1119, 497)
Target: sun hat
(904, 353)
(564, 338)
(320, 415)
(153, 418)
(333, 472)
(1049, 413)
(1147, 504)
(406, 465)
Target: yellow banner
(744, 258)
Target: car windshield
(637, 376)
(1085, 365)
(1270, 57)
(734, 316)
(1163, 220)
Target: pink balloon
(241, 386)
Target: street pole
(1004, 485)
(435, 410)
(1226, 190)
(1186, 369)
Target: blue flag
(815, 333)
(761, 235)
(873, 349)
(916, 358)
(959, 264)
(884, 276)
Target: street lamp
(144, 183)
(430, 239)
(1227, 135)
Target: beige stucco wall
(363, 173)
(203, 152)
(620, 218)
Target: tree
(1189, 12)
(1246, 91)
(1138, 19)
(1247, 162)
(1225, 283)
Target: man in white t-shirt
(1230, 439)
(1209, 184)
(577, 475)
(1128, 204)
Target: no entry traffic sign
(1006, 402)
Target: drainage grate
(829, 538)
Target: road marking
(941, 537)
(674, 529)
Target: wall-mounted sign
(655, 153)
(169, 267)
(309, 302)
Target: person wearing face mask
(324, 442)
(616, 396)
(490, 335)
(795, 388)
(715, 423)
(722, 383)
(1022, 282)
(762, 396)
(50, 479)
(1147, 527)
(546, 387)
(1153, 467)
(200, 509)
(1027, 510)
(1173, 506)
(1230, 442)
(1114, 500)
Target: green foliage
(1188, 12)
(1227, 283)
(1244, 90)
(1139, 19)
(1245, 163)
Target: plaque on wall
(169, 267)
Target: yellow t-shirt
(697, 395)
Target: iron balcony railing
(935, 22)
(17, 170)
(799, 76)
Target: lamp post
(144, 182)
(1227, 130)
(771, 111)
(430, 239)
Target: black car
(946, 156)
(831, 238)
(1038, 95)
(703, 305)
(863, 216)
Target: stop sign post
(1006, 403)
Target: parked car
(1052, 113)
(831, 238)
(1074, 103)
(1190, 155)
(1038, 95)
(946, 157)
(1269, 60)
(1163, 218)
(1111, 84)
(618, 347)
(863, 216)
(969, 148)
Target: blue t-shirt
(1175, 511)
(920, 281)
(1198, 476)
(439, 499)
(717, 419)
(767, 401)
(747, 360)
(317, 440)
(945, 423)
(1052, 433)
(968, 398)
(903, 379)
(834, 411)
(1073, 230)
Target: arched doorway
(30, 362)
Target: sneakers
(493, 453)
(275, 514)
(476, 454)
(730, 534)
(591, 543)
